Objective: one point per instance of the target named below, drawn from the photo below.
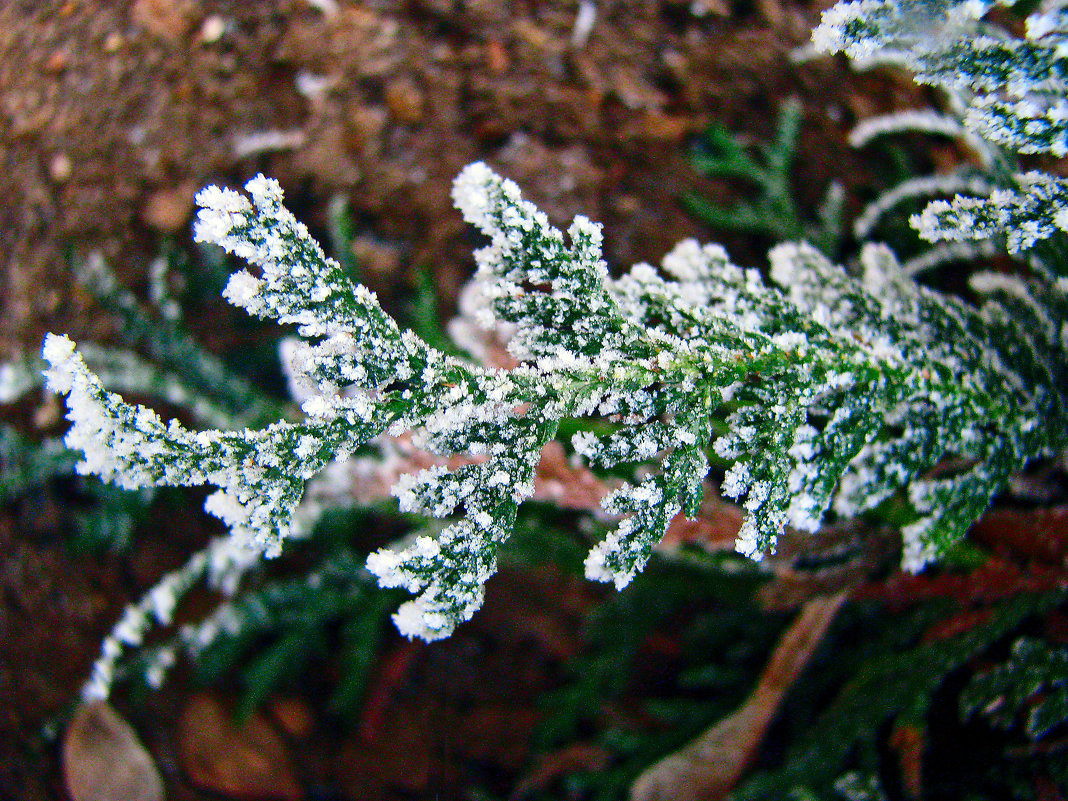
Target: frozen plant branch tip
(837, 392)
(1011, 97)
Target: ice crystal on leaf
(836, 391)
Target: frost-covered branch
(836, 391)
(1010, 93)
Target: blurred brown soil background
(113, 115)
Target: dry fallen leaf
(909, 742)
(249, 761)
(570, 486)
(709, 766)
(575, 758)
(294, 716)
(103, 759)
(715, 528)
(1040, 534)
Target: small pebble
(405, 100)
(57, 61)
(212, 29)
(60, 168)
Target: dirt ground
(113, 114)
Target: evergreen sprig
(1033, 679)
(836, 390)
(1013, 93)
(773, 211)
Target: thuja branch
(837, 392)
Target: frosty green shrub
(823, 391)
(836, 392)
(1007, 94)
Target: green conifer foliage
(837, 392)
